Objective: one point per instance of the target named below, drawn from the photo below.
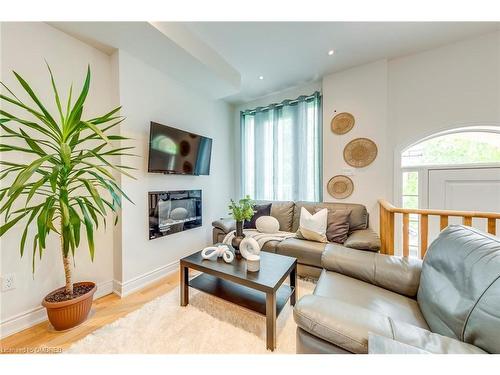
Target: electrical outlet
(8, 282)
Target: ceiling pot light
(331, 52)
(261, 77)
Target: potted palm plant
(66, 188)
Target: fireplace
(173, 211)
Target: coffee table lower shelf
(246, 297)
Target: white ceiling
(213, 56)
(168, 46)
(288, 54)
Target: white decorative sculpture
(214, 252)
(249, 247)
(250, 250)
(267, 224)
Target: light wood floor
(104, 311)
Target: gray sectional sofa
(368, 302)
(309, 253)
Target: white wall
(125, 258)
(444, 87)
(448, 87)
(149, 95)
(397, 102)
(24, 46)
(361, 91)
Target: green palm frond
(70, 173)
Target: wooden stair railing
(387, 231)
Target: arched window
(463, 147)
(458, 148)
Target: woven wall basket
(360, 152)
(340, 187)
(342, 123)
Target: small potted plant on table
(66, 187)
(241, 211)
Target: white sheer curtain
(281, 150)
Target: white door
(469, 189)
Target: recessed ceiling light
(261, 77)
(331, 52)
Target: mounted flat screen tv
(175, 151)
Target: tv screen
(176, 151)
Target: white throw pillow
(267, 224)
(313, 227)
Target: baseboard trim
(141, 281)
(38, 314)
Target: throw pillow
(267, 224)
(337, 228)
(313, 227)
(259, 210)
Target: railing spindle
(390, 238)
(443, 222)
(388, 211)
(492, 226)
(406, 235)
(382, 230)
(467, 220)
(424, 232)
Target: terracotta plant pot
(68, 314)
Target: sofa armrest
(407, 336)
(399, 274)
(225, 224)
(363, 239)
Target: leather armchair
(367, 302)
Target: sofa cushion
(306, 252)
(270, 246)
(357, 220)
(283, 211)
(343, 288)
(459, 291)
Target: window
(452, 149)
(456, 148)
(281, 150)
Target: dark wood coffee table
(262, 291)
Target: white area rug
(206, 325)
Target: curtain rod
(283, 103)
